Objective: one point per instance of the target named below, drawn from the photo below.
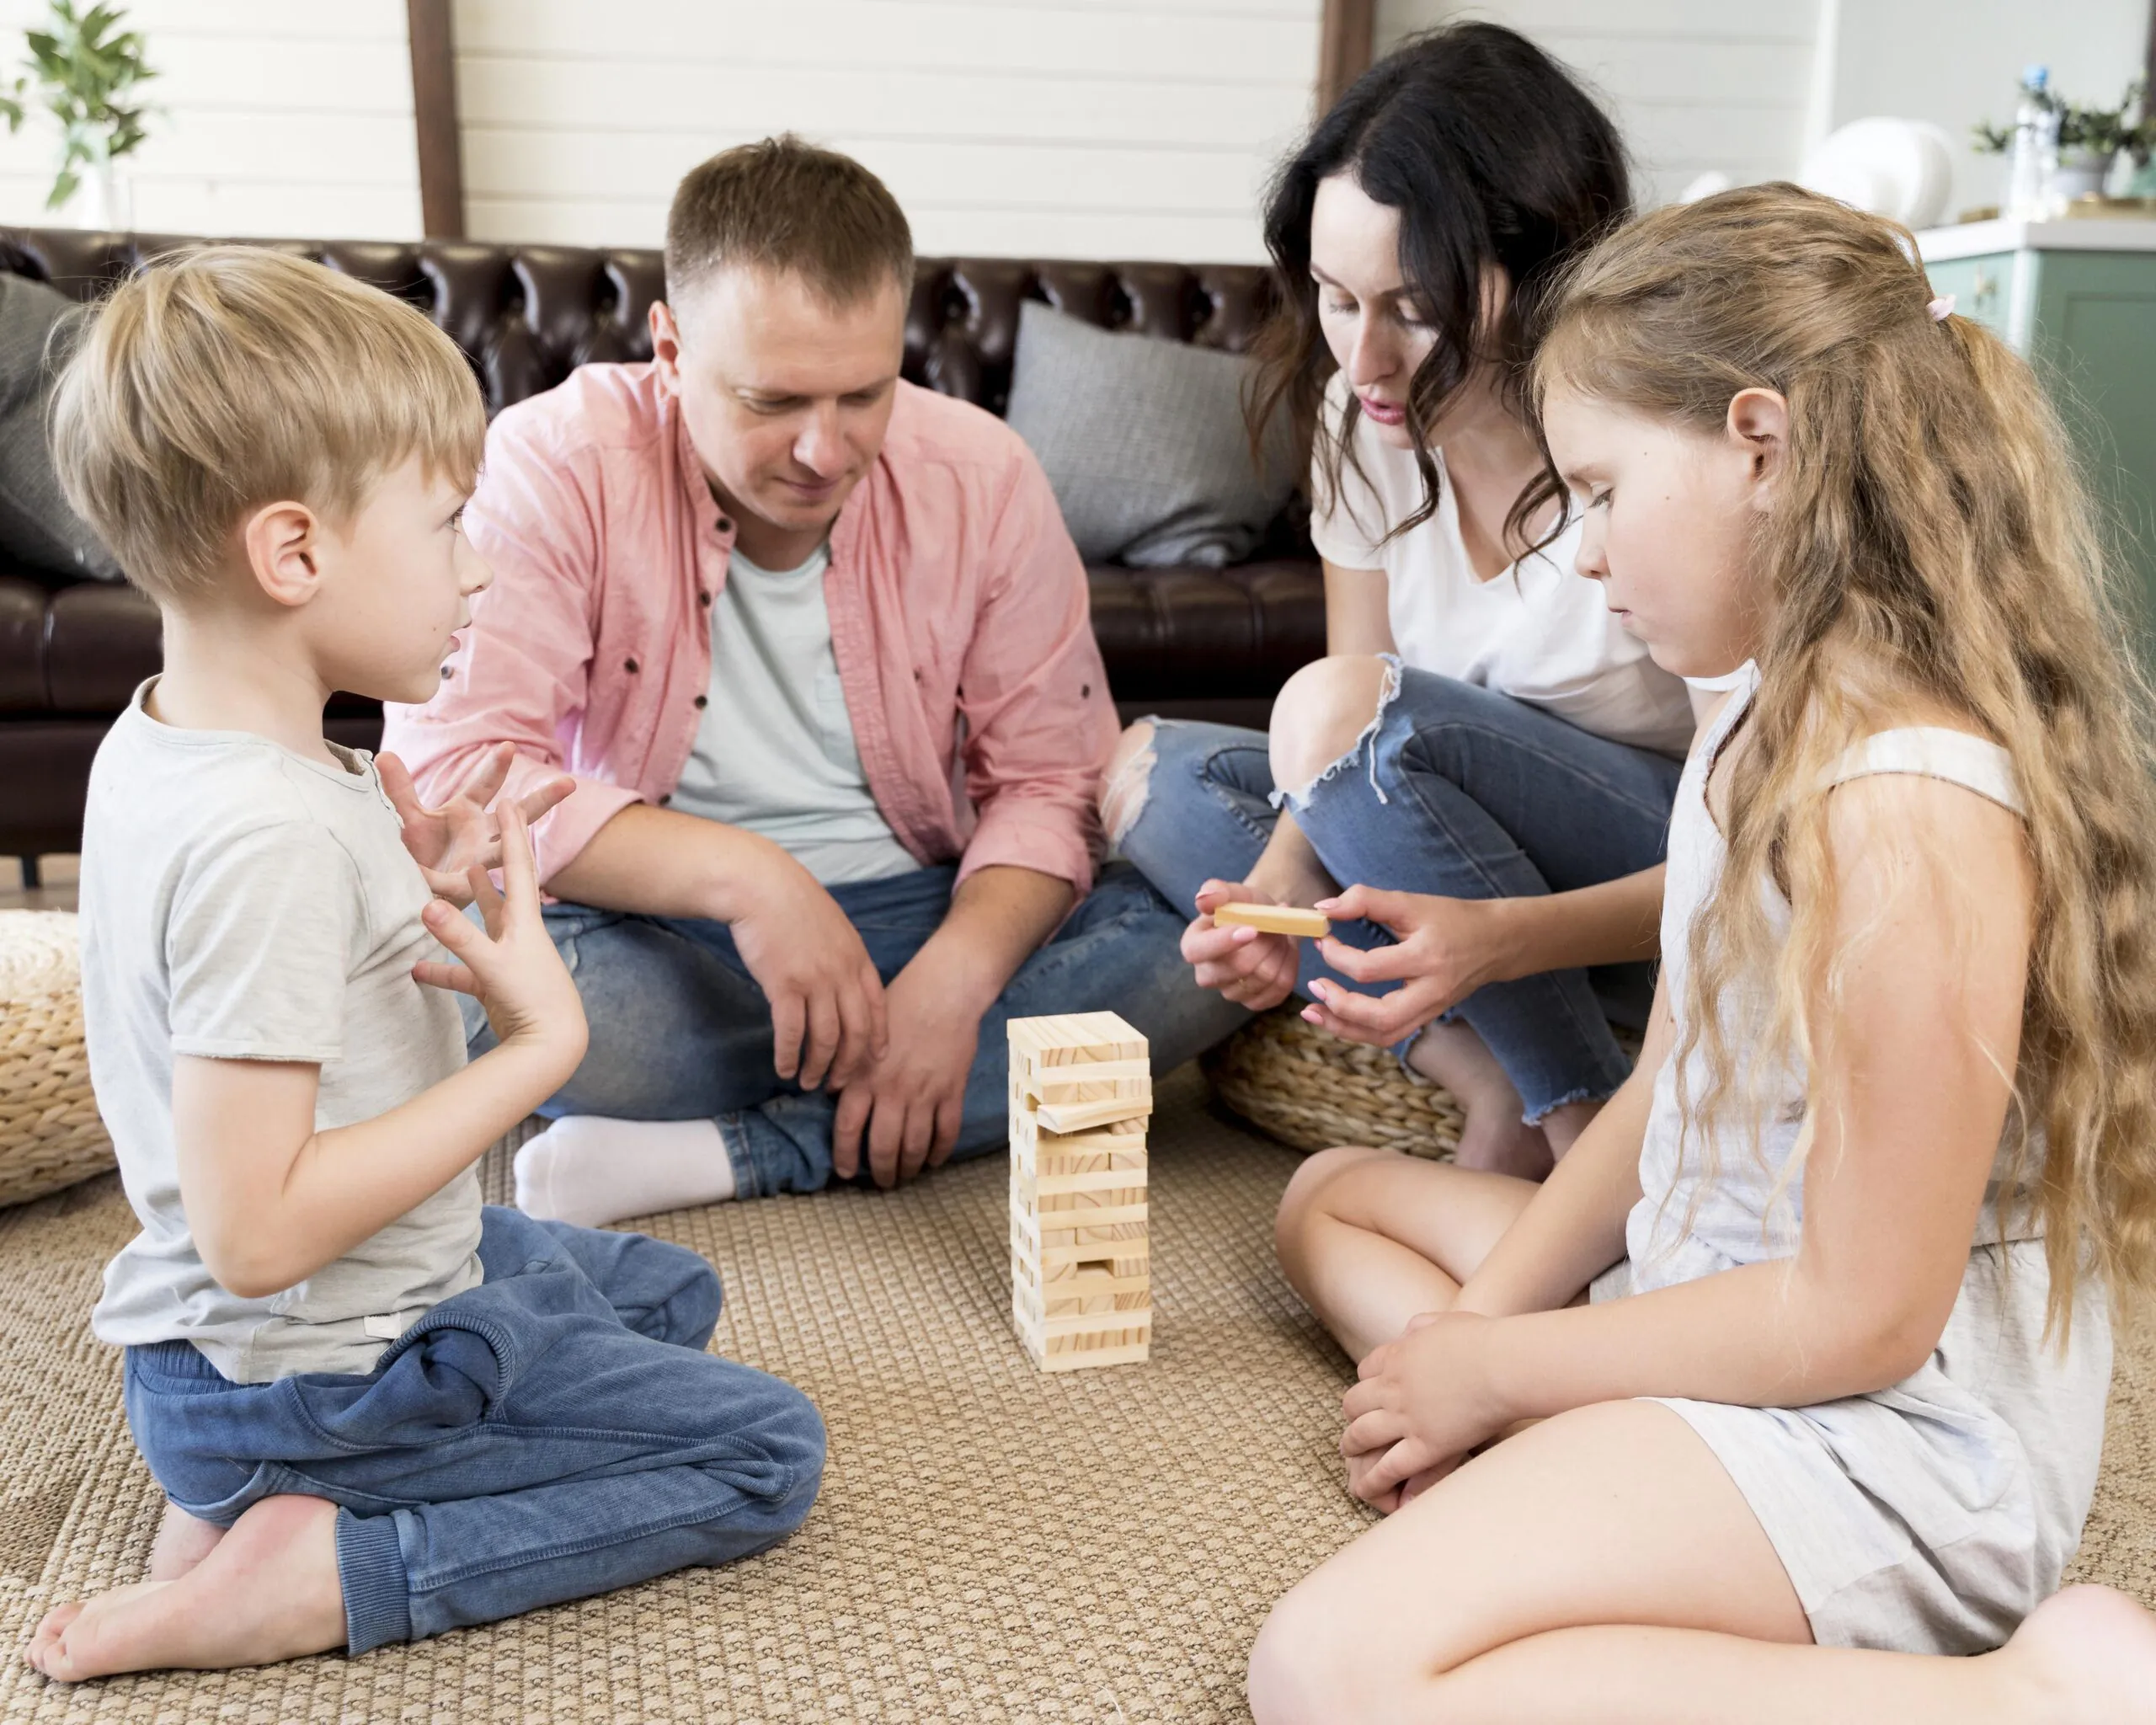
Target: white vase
(103, 201)
(2079, 174)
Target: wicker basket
(51, 1135)
(1307, 1088)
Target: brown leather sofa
(1196, 643)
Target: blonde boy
(378, 1408)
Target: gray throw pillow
(36, 526)
(1143, 443)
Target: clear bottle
(2035, 147)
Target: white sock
(588, 1170)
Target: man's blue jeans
(681, 1031)
(556, 1432)
(1456, 790)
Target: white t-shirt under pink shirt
(1537, 631)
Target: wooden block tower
(1081, 1089)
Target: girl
(1482, 732)
(1893, 1137)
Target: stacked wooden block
(1082, 1090)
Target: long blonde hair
(1928, 541)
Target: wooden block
(1117, 1233)
(1135, 1354)
(1088, 1204)
(1093, 1339)
(1081, 1090)
(1031, 1184)
(1073, 1308)
(1275, 919)
(1108, 1348)
(1062, 1225)
(1118, 1141)
(1073, 1083)
(1096, 1291)
(1072, 1039)
(1077, 1116)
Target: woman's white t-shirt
(1538, 631)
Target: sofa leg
(31, 880)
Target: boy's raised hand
(447, 842)
(511, 968)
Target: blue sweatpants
(556, 1432)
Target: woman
(1483, 751)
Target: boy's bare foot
(183, 1542)
(2087, 1656)
(267, 1590)
(1492, 1136)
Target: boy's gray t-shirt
(241, 902)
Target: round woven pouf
(51, 1135)
(1307, 1088)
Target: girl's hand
(449, 842)
(1446, 950)
(512, 968)
(1247, 965)
(1424, 1401)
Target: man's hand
(1424, 1401)
(1247, 965)
(448, 841)
(512, 968)
(911, 1102)
(828, 1010)
(1443, 954)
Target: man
(813, 644)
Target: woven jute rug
(992, 1544)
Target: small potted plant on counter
(2089, 141)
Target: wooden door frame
(434, 117)
(1346, 38)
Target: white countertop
(1981, 239)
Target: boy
(378, 1409)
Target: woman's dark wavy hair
(1492, 154)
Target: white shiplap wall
(1692, 84)
(278, 117)
(1043, 128)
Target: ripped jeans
(1456, 790)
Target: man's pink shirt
(958, 619)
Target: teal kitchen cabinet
(2078, 299)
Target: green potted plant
(85, 71)
(2089, 141)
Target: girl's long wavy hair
(1495, 159)
(1928, 541)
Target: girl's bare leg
(1601, 1565)
(2085, 1657)
(269, 1590)
(1370, 1237)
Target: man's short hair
(786, 206)
(221, 378)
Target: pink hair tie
(1941, 309)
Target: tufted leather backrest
(527, 316)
